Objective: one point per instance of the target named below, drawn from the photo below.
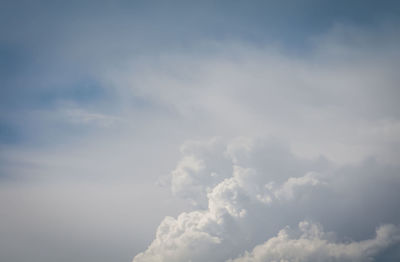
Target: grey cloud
(341, 104)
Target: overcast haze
(174, 131)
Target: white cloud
(313, 245)
(287, 190)
(247, 206)
(203, 166)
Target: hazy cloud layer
(339, 100)
(285, 113)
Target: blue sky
(120, 119)
(50, 50)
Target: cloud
(337, 99)
(329, 103)
(203, 166)
(248, 206)
(288, 189)
(313, 244)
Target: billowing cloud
(313, 244)
(248, 206)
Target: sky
(246, 131)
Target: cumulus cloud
(248, 206)
(254, 163)
(287, 190)
(313, 244)
(201, 168)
